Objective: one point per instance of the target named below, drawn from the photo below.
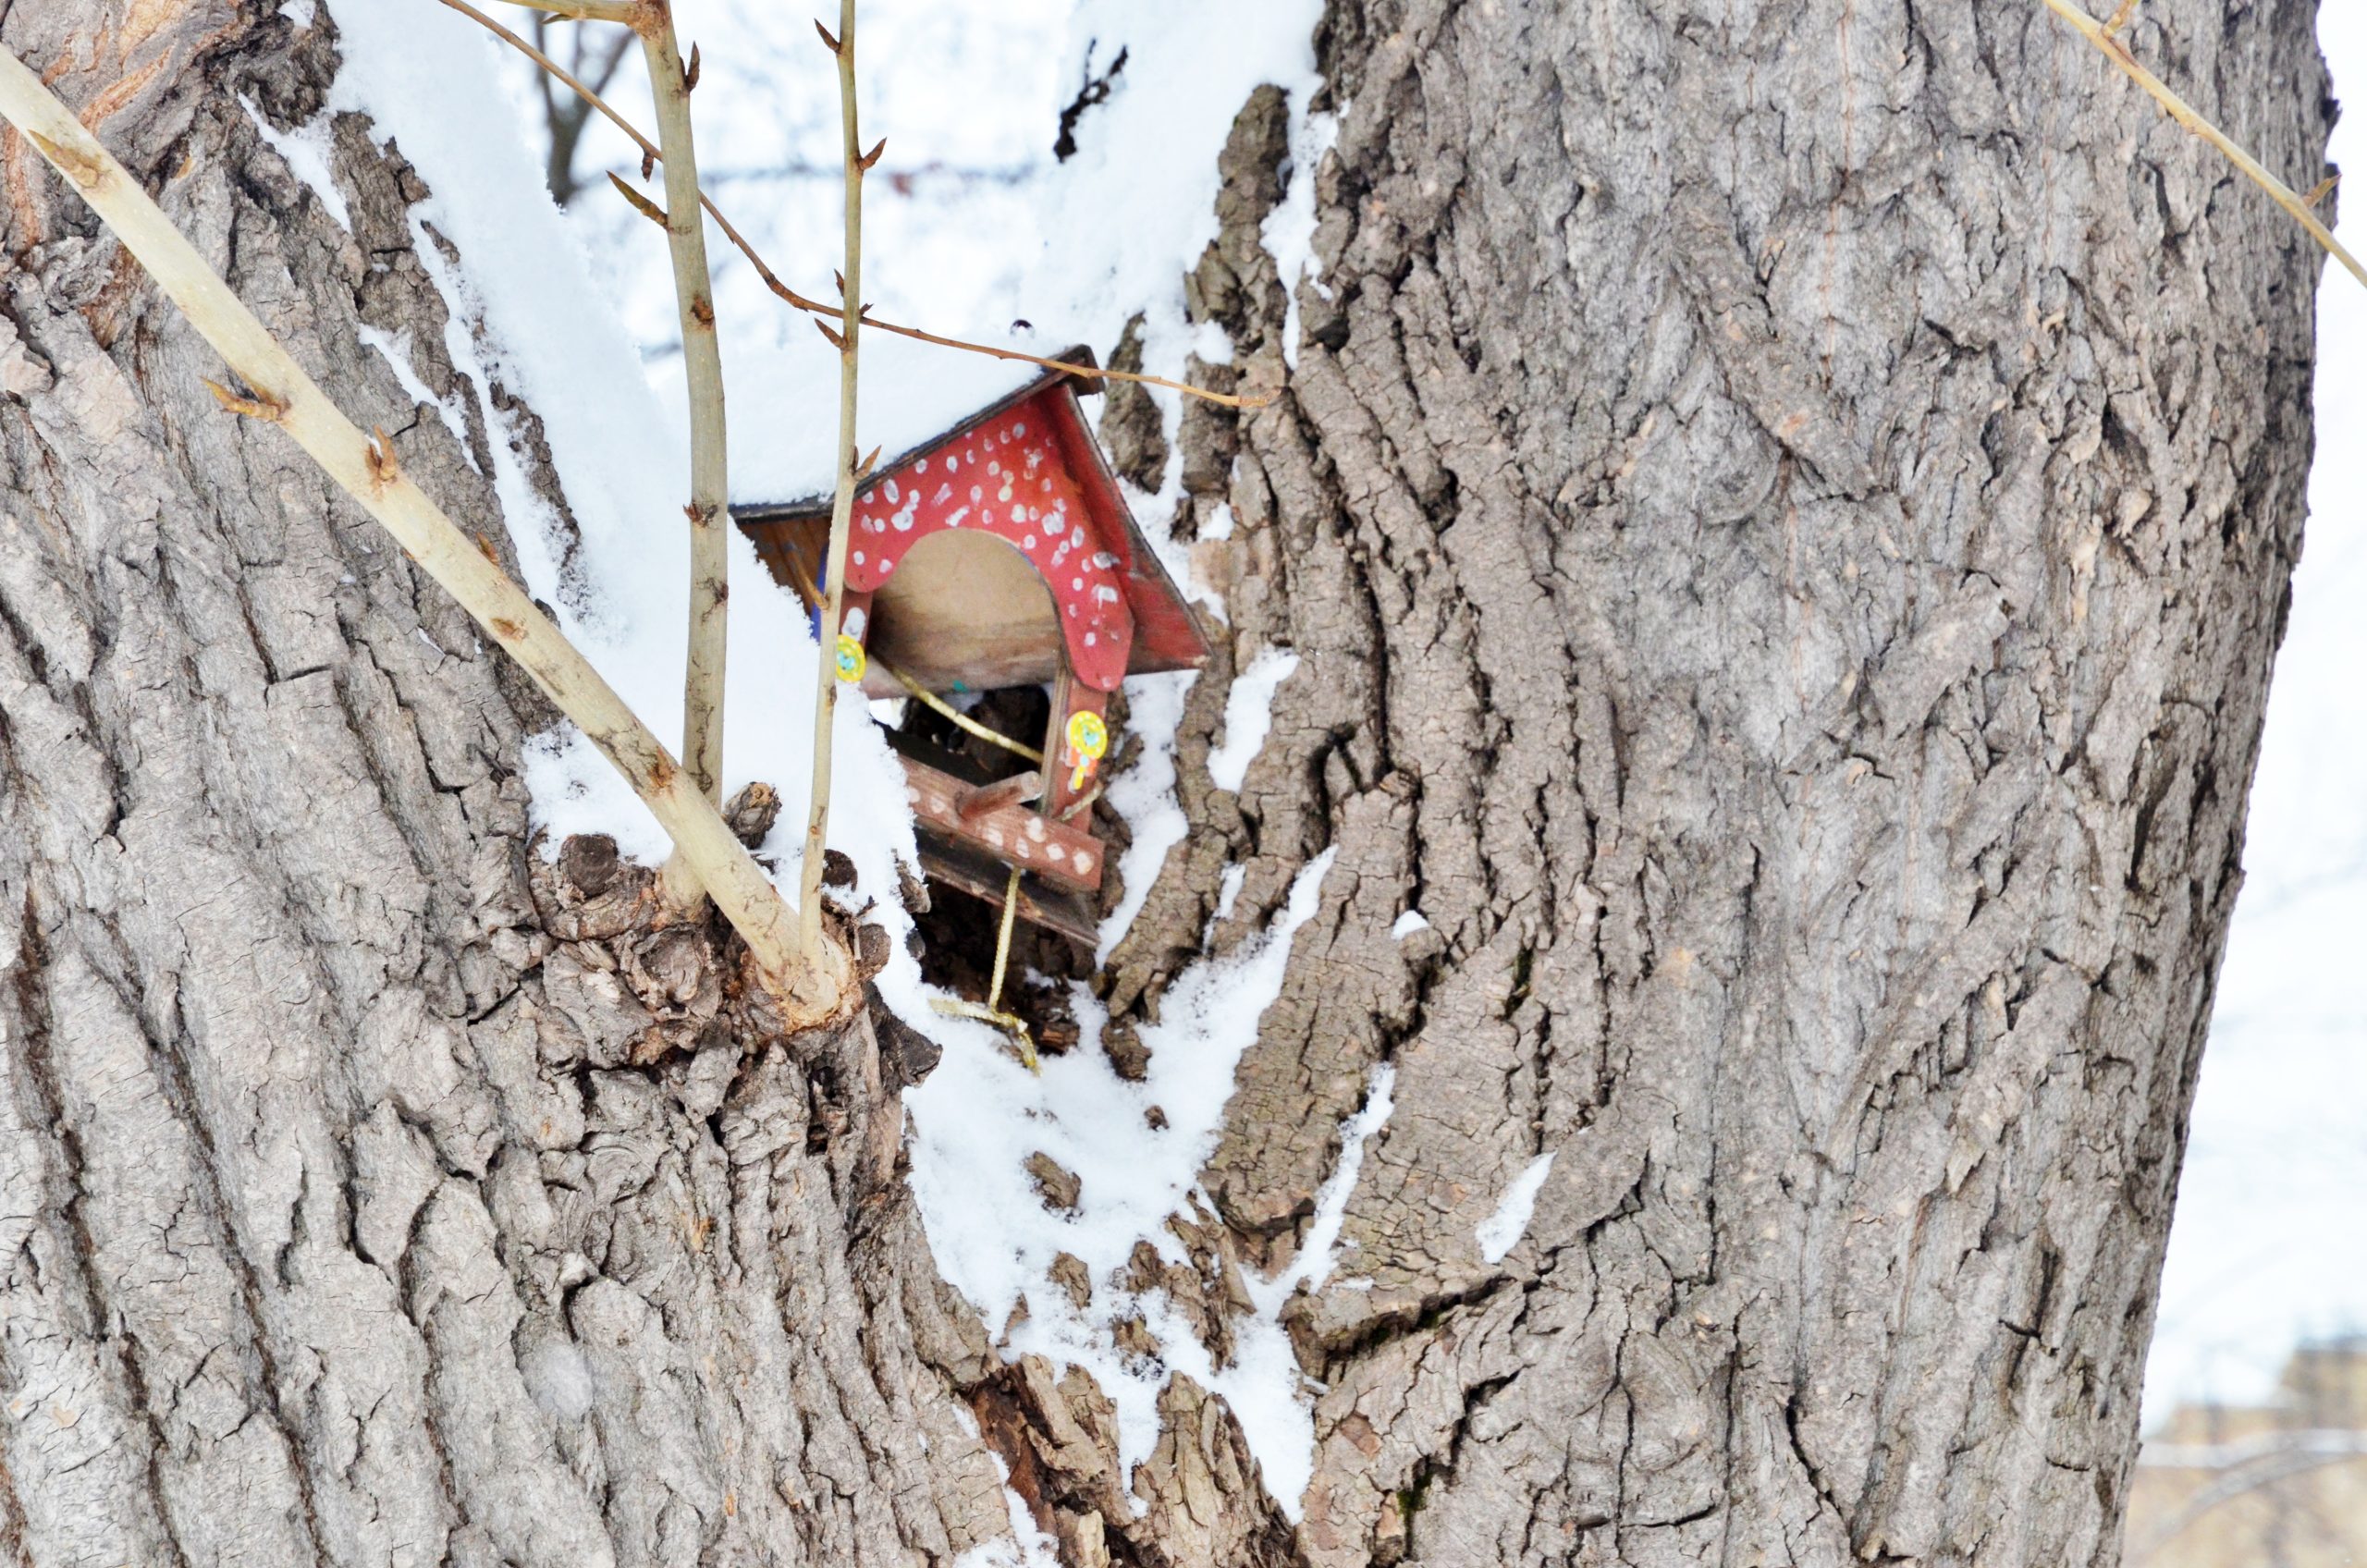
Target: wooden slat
(1063, 854)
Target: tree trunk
(368, 1195)
(1783, 511)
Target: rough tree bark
(1784, 509)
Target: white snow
(1317, 1256)
(1249, 716)
(560, 1377)
(981, 1114)
(1025, 1547)
(1143, 794)
(1501, 1231)
(307, 152)
(1289, 230)
(395, 349)
(1228, 892)
(1413, 920)
(907, 393)
(300, 12)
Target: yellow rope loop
(1015, 1027)
(1003, 939)
(1081, 804)
(992, 736)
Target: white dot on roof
(886, 566)
(858, 558)
(976, 491)
(1028, 543)
(1090, 639)
(1072, 610)
(921, 467)
(1019, 428)
(994, 467)
(1047, 487)
(952, 462)
(1077, 582)
(1058, 854)
(1084, 861)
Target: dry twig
(849, 341)
(279, 392)
(2104, 36)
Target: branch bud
(640, 203)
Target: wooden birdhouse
(997, 560)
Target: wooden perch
(278, 390)
(1020, 789)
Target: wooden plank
(1062, 853)
(985, 877)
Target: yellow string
(957, 715)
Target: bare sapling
(809, 988)
(847, 339)
(670, 84)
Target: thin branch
(709, 511)
(628, 12)
(2102, 35)
(366, 467)
(834, 579)
(772, 280)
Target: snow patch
(1413, 920)
(1501, 1231)
(307, 151)
(395, 349)
(1249, 716)
(560, 1377)
(1289, 230)
(1144, 796)
(980, 1116)
(1025, 1547)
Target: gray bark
(1785, 511)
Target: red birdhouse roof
(1026, 470)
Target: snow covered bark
(370, 1192)
(1783, 512)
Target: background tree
(1783, 517)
